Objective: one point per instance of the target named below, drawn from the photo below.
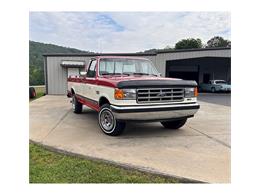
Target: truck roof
(121, 57)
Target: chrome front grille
(160, 95)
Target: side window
(92, 69)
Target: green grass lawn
(51, 167)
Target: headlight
(125, 94)
(191, 92)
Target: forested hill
(36, 50)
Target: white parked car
(215, 86)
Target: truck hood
(145, 81)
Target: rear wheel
(108, 123)
(76, 105)
(213, 90)
(175, 124)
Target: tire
(175, 124)
(32, 92)
(108, 123)
(76, 105)
(213, 90)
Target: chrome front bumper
(155, 112)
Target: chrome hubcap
(107, 120)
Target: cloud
(126, 31)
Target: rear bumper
(154, 113)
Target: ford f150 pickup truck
(121, 89)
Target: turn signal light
(196, 92)
(119, 94)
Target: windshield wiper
(141, 73)
(115, 74)
(128, 73)
(135, 73)
(105, 74)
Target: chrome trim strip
(155, 115)
(152, 106)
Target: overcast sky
(126, 31)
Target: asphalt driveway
(199, 151)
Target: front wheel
(175, 124)
(76, 105)
(213, 90)
(108, 123)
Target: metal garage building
(193, 64)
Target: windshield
(117, 66)
(220, 82)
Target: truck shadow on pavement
(148, 130)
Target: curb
(117, 164)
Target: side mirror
(83, 73)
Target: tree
(36, 75)
(36, 50)
(189, 43)
(150, 50)
(168, 47)
(218, 42)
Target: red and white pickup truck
(130, 88)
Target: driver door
(89, 81)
